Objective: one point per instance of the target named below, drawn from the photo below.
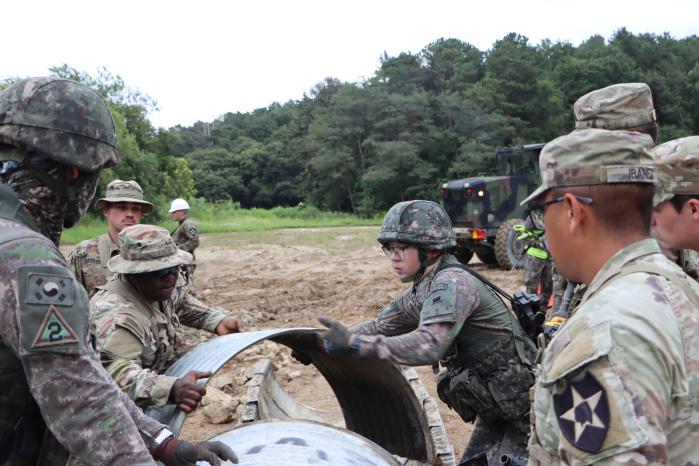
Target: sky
(202, 58)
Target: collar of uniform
(119, 285)
(427, 278)
(617, 262)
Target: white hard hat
(178, 204)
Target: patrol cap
(124, 191)
(146, 248)
(595, 157)
(677, 162)
(618, 106)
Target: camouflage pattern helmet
(61, 120)
(146, 248)
(422, 223)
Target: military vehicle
(483, 209)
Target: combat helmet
(60, 120)
(422, 223)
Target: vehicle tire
(463, 254)
(508, 249)
(486, 255)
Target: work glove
(554, 323)
(337, 340)
(301, 357)
(174, 452)
(186, 392)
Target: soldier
(122, 206)
(186, 235)
(676, 203)
(54, 394)
(537, 274)
(446, 314)
(623, 106)
(618, 382)
(136, 327)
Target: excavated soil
(285, 278)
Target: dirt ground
(285, 278)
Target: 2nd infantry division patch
(54, 330)
(583, 413)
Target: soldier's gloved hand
(337, 340)
(186, 392)
(301, 357)
(174, 452)
(554, 323)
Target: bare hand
(229, 325)
(186, 392)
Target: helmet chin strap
(425, 261)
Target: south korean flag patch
(582, 410)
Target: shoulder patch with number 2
(53, 310)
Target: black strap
(504, 294)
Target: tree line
(421, 119)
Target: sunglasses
(162, 273)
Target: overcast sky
(202, 58)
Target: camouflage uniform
(616, 107)
(89, 258)
(537, 274)
(559, 284)
(486, 352)
(678, 174)
(186, 237)
(88, 261)
(49, 373)
(136, 338)
(618, 382)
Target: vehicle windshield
(517, 164)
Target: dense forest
(421, 119)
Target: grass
(228, 217)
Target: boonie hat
(124, 191)
(146, 248)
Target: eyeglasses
(162, 273)
(398, 251)
(539, 208)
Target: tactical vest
(24, 438)
(161, 323)
(475, 344)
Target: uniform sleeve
(75, 264)
(121, 356)
(196, 314)
(442, 315)
(612, 403)
(424, 345)
(189, 236)
(80, 404)
(391, 320)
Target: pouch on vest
(466, 394)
